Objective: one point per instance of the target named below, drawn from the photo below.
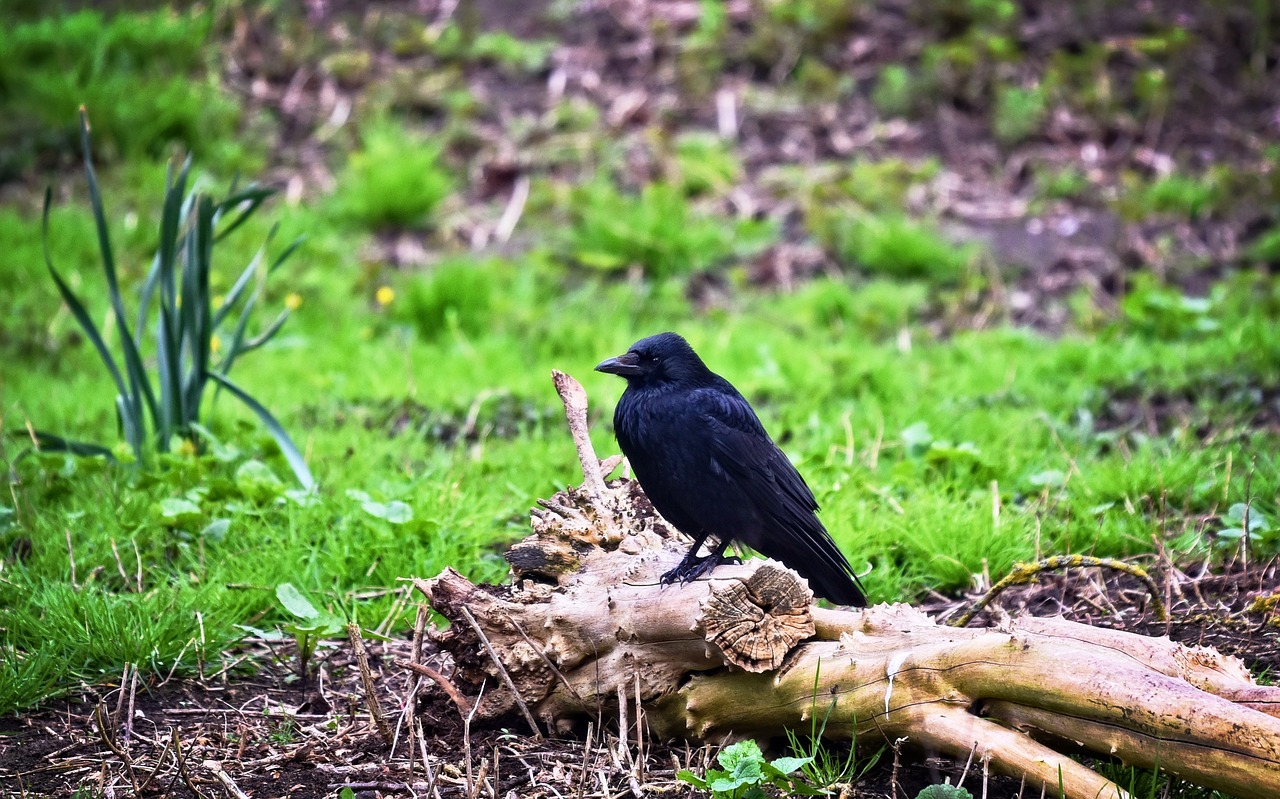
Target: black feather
(711, 470)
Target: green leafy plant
(1019, 113)
(1161, 311)
(824, 768)
(1176, 194)
(1061, 183)
(706, 163)
(657, 230)
(896, 91)
(944, 791)
(744, 774)
(394, 179)
(187, 323)
(311, 624)
(890, 244)
(1241, 520)
(1266, 247)
(457, 43)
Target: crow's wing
(743, 455)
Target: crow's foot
(690, 569)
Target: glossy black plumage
(711, 470)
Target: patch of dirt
(255, 726)
(793, 94)
(1234, 611)
(495, 414)
(1211, 407)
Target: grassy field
(945, 435)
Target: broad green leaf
(395, 511)
(216, 530)
(295, 602)
(730, 756)
(266, 635)
(178, 511)
(784, 766)
(917, 438)
(724, 785)
(944, 792)
(748, 771)
(1051, 478)
(291, 453)
(257, 482)
(685, 775)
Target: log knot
(757, 620)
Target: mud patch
(494, 415)
(1208, 407)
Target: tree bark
(746, 653)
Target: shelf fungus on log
(585, 624)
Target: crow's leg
(693, 567)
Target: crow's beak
(624, 365)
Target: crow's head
(657, 360)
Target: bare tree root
(746, 653)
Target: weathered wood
(744, 652)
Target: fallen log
(585, 627)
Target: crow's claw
(690, 569)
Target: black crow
(707, 464)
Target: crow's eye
(655, 359)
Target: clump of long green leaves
(178, 280)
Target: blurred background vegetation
(999, 276)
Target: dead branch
(746, 653)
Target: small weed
(1065, 183)
(1161, 311)
(1019, 113)
(1266, 247)
(309, 627)
(1175, 194)
(285, 732)
(658, 231)
(350, 68)
(457, 295)
(705, 164)
(1245, 520)
(944, 791)
(744, 774)
(394, 179)
(825, 769)
(893, 245)
(517, 56)
(701, 53)
(896, 92)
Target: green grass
(657, 231)
(144, 77)
(427, 416)
(823, 367)
(394, 179)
